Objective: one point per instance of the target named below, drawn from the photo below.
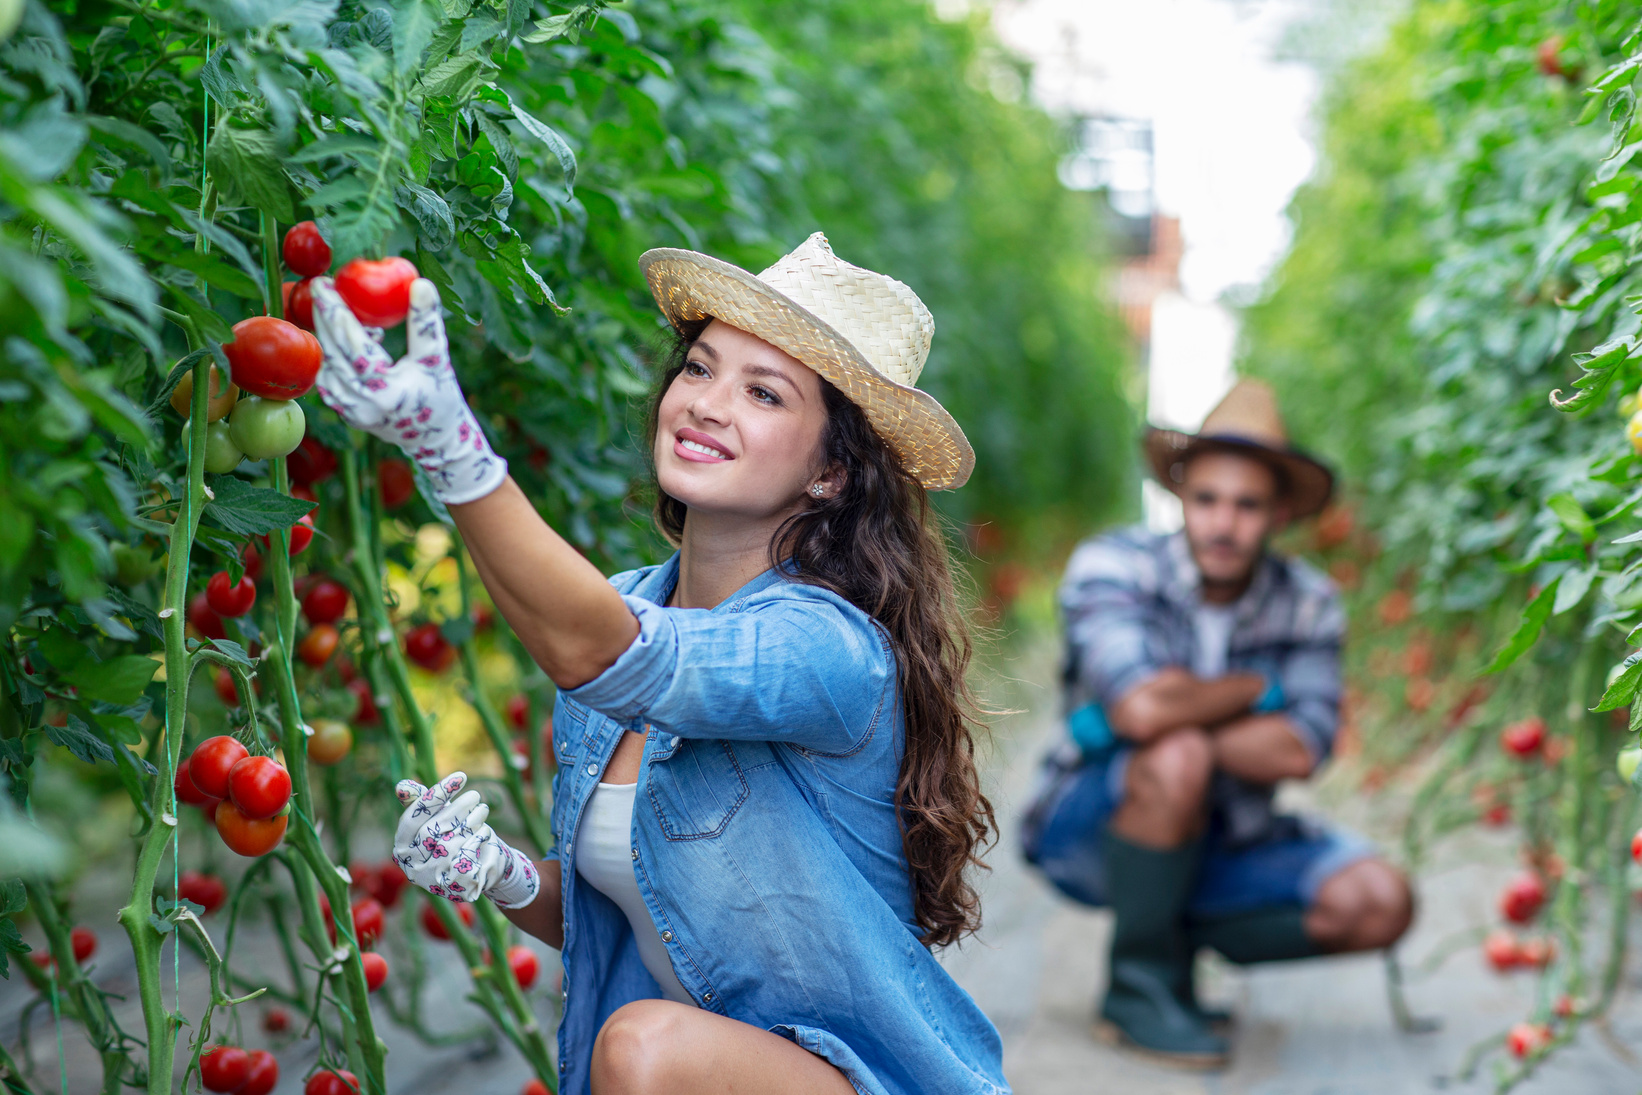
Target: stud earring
(818, 490)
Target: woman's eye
(764, 395)
(695, 368)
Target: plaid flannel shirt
(1128, 599)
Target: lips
(697, 446)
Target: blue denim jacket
(766, 841)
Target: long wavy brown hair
(877, 543)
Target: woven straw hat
(1245, 421)
(866, 333)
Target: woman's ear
(829, 484)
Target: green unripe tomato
(1629, 404)
(1628, 761)
(133, 565)
(266, 428)
(221, 454)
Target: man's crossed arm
(1260, 748)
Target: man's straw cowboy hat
(1245, 421)
(866, 333)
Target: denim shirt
(765, 838)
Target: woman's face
(739, 430)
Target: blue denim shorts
(1065, 824)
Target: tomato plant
(248, 836)
(332, 1082)
(319, 644)
(261, 1072)
(524, 964)
(208, 891)
(376, 970)
(305, 250)
(427, 647)
(325, 602)
(225, 1069)
(265, 428)
(378, 291)
(212, 761)
(330, 742)
(273, 358)
(219, 403)
(229, 598)
(259, 787)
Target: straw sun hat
(866, 333)
(1245, 421)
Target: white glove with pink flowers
(415, 403)
(446, 846)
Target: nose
(711, 402)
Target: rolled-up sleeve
(1110, 623)
(802, 670)
(1310, 673)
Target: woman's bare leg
(657, 1047)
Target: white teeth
(696, 446)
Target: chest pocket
(695, 788)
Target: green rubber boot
(1261, 935)
(1147, 891)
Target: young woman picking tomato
(767, 799)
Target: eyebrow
(706, 347)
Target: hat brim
(1310, 482)
(690, 287)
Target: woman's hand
(414, 403)
(446, 846)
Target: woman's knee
(637, 1049)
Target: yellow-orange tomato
(219, 402)
(331, 741)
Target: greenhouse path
(1313, 1028)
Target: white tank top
(604, 859)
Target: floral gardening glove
(445, 846)
(414, 403)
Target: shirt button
(708, 997)
(635, 855)
(666, 937)
(592, 769)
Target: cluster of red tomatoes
(82, 940)
(245, 796)
(244, 1072)
(1519, 903)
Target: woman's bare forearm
(543, 917)
(564, 611)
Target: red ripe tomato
(533, 1086)
(311, 463)
(304, 493)
(1502, 951)
(524, 963)
(1566, 1007)
(1498, 814)
(365, 712)
(259, 786)
(84, 941)
(211, 762)
(272, 357)
(1523, 739)
(330, 741)
(521, 755)
(253, 562)
(319, 644)
(436, 927)
(518, 711)
(1550, 55)
(305, 250)
(298, 302)
(368, 920)
(1522, 898)
(230, 599)
(377, 291)
(187, 790)
(376, 969)
(246, 836)
(302, 534)
(204, 619)
(205, 890)
(332, 1082)
(1536, 953)
(1526, 1039)
(276, 1020)
(1636, 846)
(261, 1072)
(1395, 607)
(386, 883)
(224, 1068)
(325, 602)
(227, 691)
(396, 483)
(425, 646)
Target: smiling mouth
(705, 450)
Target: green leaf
(78, 738)
(1573, 516)
(251, 511)
(414, 22)
(1527, 632)
(550, 137)
(246, 165)
(432, 214)
(1624, 686)
(118, 680)
(234, 652)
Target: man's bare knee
(1173, 772)
(1367, 906)
(636, 1049)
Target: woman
(766, 798)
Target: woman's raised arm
(568, 616)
